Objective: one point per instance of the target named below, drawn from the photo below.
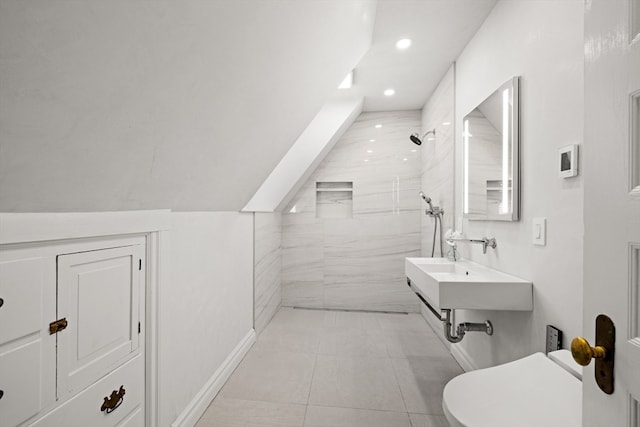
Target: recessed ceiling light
(405, 159)
(403, 44)
(369, 151)
(372, 140)
(389, 92)
(414, 150)
(366, 160)
(446, 123)
(378, 126)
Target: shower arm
(429, 132)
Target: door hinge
(57, 326)
(140, 264)
(138, 327)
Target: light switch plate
(539, 231)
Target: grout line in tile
(350, 310)
(313, 373)
(360, 409)
(395, 374)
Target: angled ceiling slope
(185, 105)
(305, 155)
(439, 30)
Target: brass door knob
(582, 352)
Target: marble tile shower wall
(438, 159)
(357, 262)
(267, 268)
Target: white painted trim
(157, 259)
(39, 227)
(194, 410)
(462, 357)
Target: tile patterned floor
(313, 368)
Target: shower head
(425, 197)
(417, 139)
(433, 211)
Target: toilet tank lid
(564, 359)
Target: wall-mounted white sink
(467, 285)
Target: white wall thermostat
(568, 161)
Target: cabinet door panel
(20, 384)
(27, 351)
(98, 294)
(21, 284)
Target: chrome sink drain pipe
(462, 328)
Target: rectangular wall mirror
(490, 134)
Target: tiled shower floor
(312, 368)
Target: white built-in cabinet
(72, 333)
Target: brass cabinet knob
(582, 352)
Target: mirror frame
(514, 214)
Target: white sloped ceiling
(185, 105)
(326, 128)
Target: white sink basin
(467, 285)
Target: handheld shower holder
(435, 211)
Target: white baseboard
(194, 410)
(462, 357)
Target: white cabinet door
(99, 295)
(20, 373)
(27, 352)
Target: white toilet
(533, 391)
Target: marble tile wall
(358, 262)
(267, 268)
(438, 159)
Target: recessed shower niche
(334, 199)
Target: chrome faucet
(452, 255)
(485, 241)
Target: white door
(612, 203)
(99, 296)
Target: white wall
(541, 41)
(187, 105)
(206, 309)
